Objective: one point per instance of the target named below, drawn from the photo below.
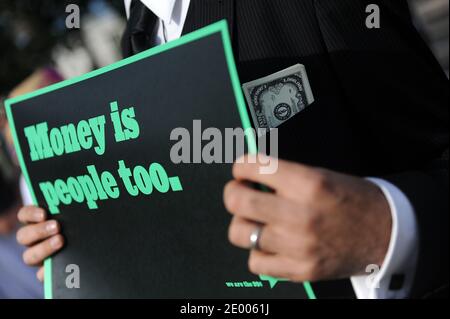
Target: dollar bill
(276, 98)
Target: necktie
(138, 35)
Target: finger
(40, 274)
(30, 234)
(275, 239)
(35, 255)
(277, 266)
(243, 201)
(241, 229)
(31, 214)
(246, 168)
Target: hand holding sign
(84, 157)
(318, 224)
(40, 235)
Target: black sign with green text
(97, 153)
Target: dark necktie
(139, 33)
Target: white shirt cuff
(25, 192)
(401, 257)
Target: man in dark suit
(380, 110)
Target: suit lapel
(204, 12)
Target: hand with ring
(316, 225)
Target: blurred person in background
(36, 50)
(16, 281)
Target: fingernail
(38, 215)
(55, 242)
(51, 226)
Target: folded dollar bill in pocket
(276, 98)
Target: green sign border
(218, 27)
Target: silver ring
(254, 238)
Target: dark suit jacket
(381, 104)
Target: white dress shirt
(401, 257)
(172, 15)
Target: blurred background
(37, 49)
(432, 21)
